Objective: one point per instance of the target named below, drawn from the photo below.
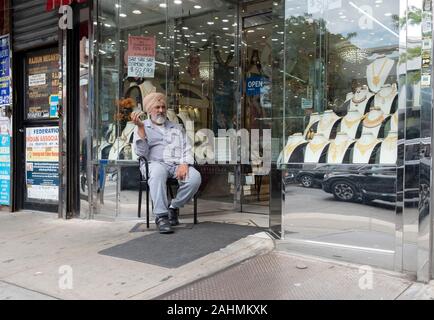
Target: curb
(235, 253)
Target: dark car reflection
(366, 184)
(356, 183)
(313, 177)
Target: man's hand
(135, 118)
(182, 172)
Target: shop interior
(200, 48)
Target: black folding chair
(144, 186)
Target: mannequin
(327, 123)
(351, 123)
(394, 122)
(184, 116)
(374, 121)
(146, 88)
(389, 149)
(315, 148)
(293, 143)
(338, 148)
(191, 113)
(363, 148)
(360, 99)
(314, 118)
(378, 71)
(123, 141)
(171, 115)
(385, 97)
(196, 114)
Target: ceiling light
(163, 5)
(123, 15)
(197, 7)
(210, 22)
(177, 1)
(225, 20)
(137, 12)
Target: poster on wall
(141, 57)
(5, 72)
(42, 163)
(42, 81)
(5, 162)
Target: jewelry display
(378, 71)
(293, 143)
(389, 149)
(374, 118)
(314, 118)
(350, 115)
(364, 147)
(351, 122)
(385, 97)
(327, 123)
(338, 148)
(360, 98)
(315, 148)
(373, 121)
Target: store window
(344, 77)
(183, 49)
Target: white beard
(159, 119)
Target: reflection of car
(309, 178)
(367, 184)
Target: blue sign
(5, 77)
(5, 170)
(254, 86)
(54, 103)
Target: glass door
(38, 131)
(256, 107)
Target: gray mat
(182, 247)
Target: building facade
(311, 118)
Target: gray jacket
(172, 147)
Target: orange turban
(153, 99)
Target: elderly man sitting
(169, 153)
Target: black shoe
(173, 217)
(163, 225)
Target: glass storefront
(339, 88)
(353, 93)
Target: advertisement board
(42, 163)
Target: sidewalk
(280, 275)
(37, 250)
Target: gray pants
(158, 174)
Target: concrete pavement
(44, 258)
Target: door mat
(182, 247)
(141, 227)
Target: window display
(351, 132)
